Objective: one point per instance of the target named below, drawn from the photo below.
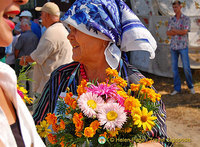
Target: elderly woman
(99, 31)
(16, 122)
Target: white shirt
(8, 83)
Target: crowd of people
(70, 49)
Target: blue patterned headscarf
(114, 21)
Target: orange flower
(70, 101)
(135, 87)
(79, 126)
(62, 124)
(68, 110)
(119, 81)
(131, 103)
(62, 144)
(51, 118)
(78, 134)
(77, 120)
(55, 127)
(146, 82)
(127, 130)
(77, 117)
(114, 133)
(89, 132)
(74, 104)
(104, 134)
(52, 138)
(81, 88)
(73, 145)
(95, 125)
(111, 72)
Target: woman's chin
(5, 41)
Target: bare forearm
(171, 33)
(16, 53)
(29, 59)
(25, 59)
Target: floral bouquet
(23, 77)
(23, 94)
(103, 113)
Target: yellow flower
(144, 119)
(146, 82)
(27, 99)
(89, 132)
(131, 102)
(42, 129)
(22, 89)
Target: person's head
(50, 13)
(111, 27)
(176, 5)
(17, 29)
(25, 15)
(25, 25)
(86, 48)
(8, 8)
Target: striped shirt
(60, 80)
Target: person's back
(27, 42)
(56, 51)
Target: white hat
(50, 8)
(26, 13)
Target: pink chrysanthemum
(89, 103)
(112, 116)
(104, 89)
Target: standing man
(34, 26)
(178, 28)
(53, 50)
(25, 45)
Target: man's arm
(25, 59)
(176, 32)
(16, 53)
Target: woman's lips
(10, 23)
(16, 12)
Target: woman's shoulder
(134, 75)
(66, 68)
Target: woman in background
(16, 123)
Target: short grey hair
(26, 22)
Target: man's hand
(23, 61)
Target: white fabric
(113, 55)
(8, 83)
(142, 7)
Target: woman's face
(8, 8)
(85, 48)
